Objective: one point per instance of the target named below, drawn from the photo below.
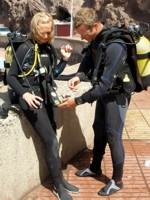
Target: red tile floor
(136, 174)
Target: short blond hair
(85, 16)
(41, 18)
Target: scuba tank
(143, 60)
(142, 53)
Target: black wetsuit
(42, 119)
(112, 97)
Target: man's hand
(72, 83)
(67, 103)
(148, 89)
(66, 51)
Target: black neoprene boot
(110, 188)
(4, 109)
(61, 193)
(69, 187)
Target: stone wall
(110, 11)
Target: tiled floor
(136, 174)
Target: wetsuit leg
(99, 137)
(42, 124)
(114, 121)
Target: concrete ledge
(22, 164)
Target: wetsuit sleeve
(115, 57)
(12, 77)
(58, 69)
(85, 66)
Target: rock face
(113, 12)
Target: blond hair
(41, 18)
(85, 16)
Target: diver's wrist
(78, 100)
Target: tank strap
(143, 56)
(24, 74)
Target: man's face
(87, 33)
(44, 32)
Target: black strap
(65, 77)
(143, 56)
(53, 55)
(109, 36)
(100, 55)
(17, 61)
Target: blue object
(1, 63)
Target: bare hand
(72, 83)
(32, 100)
(148, 89)
(66, 51)
(67, 103)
